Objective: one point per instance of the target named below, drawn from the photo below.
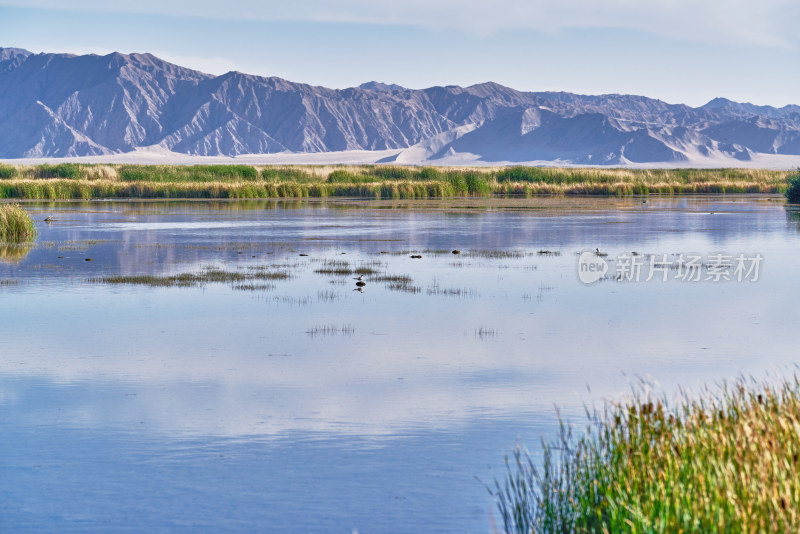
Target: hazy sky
(685, 51)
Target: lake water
(304, 405)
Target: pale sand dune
(161, 156)
(411, 156)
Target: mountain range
(62, 105)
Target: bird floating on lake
(49, 218)
(360, 278)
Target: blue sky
(682, 51)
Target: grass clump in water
(340, 271)
(330, 330)
(343, 269)
(403, 287)
(238, 279)
(728, 462)
(16, 226)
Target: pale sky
(681, 51)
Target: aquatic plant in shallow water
(725, 462)
(16, 226)
(207, 275)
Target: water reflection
(152, 237)
(14, 253)
(447, 359)
(793, 216)
(413, 351)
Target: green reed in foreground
(725, 462)
(16, 226)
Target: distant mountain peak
(11, 58)
(718, 102)
(7, 53)
(381, 87)
(488, 88)
(746, 109)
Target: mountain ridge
(64, 105)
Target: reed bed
(720, 462)
(83, 181)
(16, 226)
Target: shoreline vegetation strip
(67, 181)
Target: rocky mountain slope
(61, 105)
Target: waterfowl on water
(360, 278)
(361, 284)
(49, 218)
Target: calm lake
(278, 397)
